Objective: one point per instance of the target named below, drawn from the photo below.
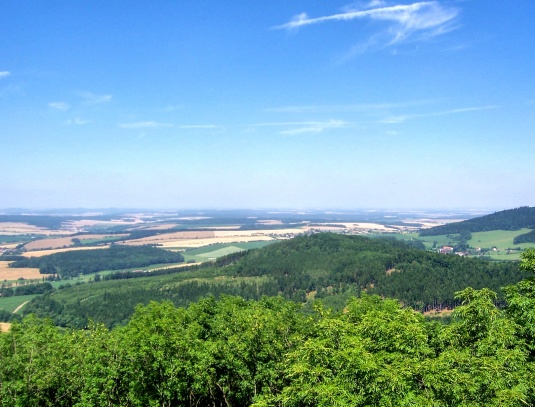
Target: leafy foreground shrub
(234, 352)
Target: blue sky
(267, 104)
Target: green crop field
(220, 252)
(221, 249)
(10, 304)
(428, 241)
(89, 242)
(17, 238)
(502, 239)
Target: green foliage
(521, 302)
(525, 238)
(234, 352)
(10, 304)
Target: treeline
(510, 219)
(235, 352)
(525, 238)
(113, 302)
(116, 257)
(30, 289)
(10, 257)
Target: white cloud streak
(428, 18)
(76, 122)
(315, 127)
(199, 126)
(59, 105)
(93, 98)
(365, 107)
(4, 74)
(173, 108)
(404, 117)
(144, 125)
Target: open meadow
(14, 303)
(213, 251)
(501, 239)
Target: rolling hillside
(327, 266)
(511, 219)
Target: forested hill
(325, 266)
(333, 264)
(510, 219)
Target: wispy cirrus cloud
(315, 127)
(199, 126)
(76, 122)
(59, 105)
(173, 108)
(425, 19)
(363, 107)
(404, 117)
(145, 125)
(93, 98)
(4, 74)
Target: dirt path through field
(20, 306)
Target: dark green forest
(116, 257)
(237, 352)
(30, 289)
(525, 238)
(328, 267)
(510, 219)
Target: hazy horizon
(335, 105)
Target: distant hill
(510, 219)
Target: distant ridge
(510, 219)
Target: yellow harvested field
(98, 236)
(190, 243)
(61, 242)
(4, 326)
(9, 246)
(39, 253)
(51, 243)
(7, 273)
(80, 224)
(161, 226)
(233, 227)
(203, 238)
(175, 236)
(19, 228)
(429, 223)
(357, 227)
(172, 266)
(269, 222)
(372, 226)
(259, 232)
